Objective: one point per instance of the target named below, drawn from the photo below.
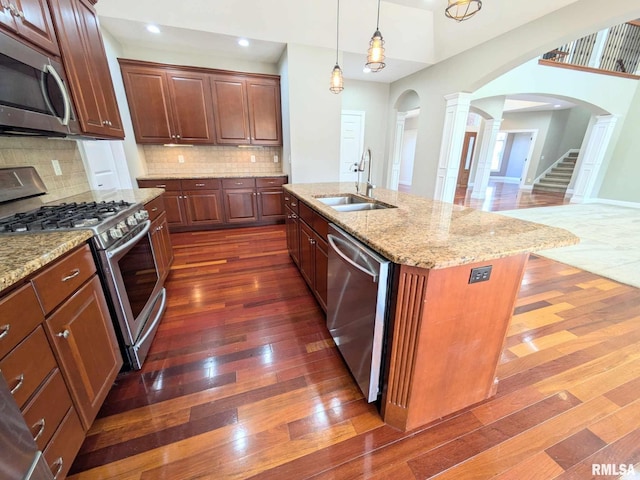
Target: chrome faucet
(359, 167)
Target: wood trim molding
(551, 63)
(188, 68)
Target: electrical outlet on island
(275, 159)
(253, 159)
(56, 167)
(180, 158)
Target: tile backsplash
(38, 153)
(211, 159)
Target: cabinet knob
(154, 209)
(40, 423)
(294, 204)
(64, 334)
(178, 136)
(17, 386)
(312, 241)
(254, 194)
(4, 330)
(72, 275)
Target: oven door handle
(132, 242)
(163, 293)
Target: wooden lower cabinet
(293, 235)
(206, 203)
(161, 245)
(85, 345)
(60, 355)
(312, 251)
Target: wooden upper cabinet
(168, 106)
(85, 63)
(192, 107)
(148, 99)
(264, 111)
(31, 20)
(230, 109)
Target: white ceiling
(416, 32)
(535, 103)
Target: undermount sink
(353, 203)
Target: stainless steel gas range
(122, 249)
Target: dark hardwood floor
(243, 381)
(507, 196)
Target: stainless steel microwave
(34, 99)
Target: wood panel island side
(444, 334)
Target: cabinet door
(7, 20)
(161, 245)
(174, 206)
(270, 203)
(192, 107)
(307, 254)
(263, 97)
(240, 205)
(204, 207)
(85, 345)
(148, 99)
(34, 23)
(293, 235)
(230, 110)
(85, 63)
(321, 271)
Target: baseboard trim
(619, 203)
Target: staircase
(557, 179)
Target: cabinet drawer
(44, 413)
(200, 184)
(271, 181)
(20, 313)
(63, 278)
(27, 365)
(169, 184)
(291, 202)
(238, 182)
(64, 445)
(155, 207)
(315, 220)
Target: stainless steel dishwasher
(357, 294)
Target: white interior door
(351, 143)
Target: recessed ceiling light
(243, 42)
(366, 69)
(557, 105)
(153, 28)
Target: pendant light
(375, 54)
(337, 82)
(460, 10)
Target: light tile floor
(609, 238)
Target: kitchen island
(444, 333)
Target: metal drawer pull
(40, 423)
(73, 274)
(199, 184)
(161, 186)
(271, 182)
(239, 183)
(19, 384)
(294, 204)
(4, 330)
(60, 463)
(286, 198)
(64, 334)
(154, 209)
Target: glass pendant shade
(460, 10)
(375, 54)
(337, 82)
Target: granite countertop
(179, 176)
(21, 254)
(432, 234)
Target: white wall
(539, 121)
(314, 116)
(372, 98)
(133, 152)
(408, 154)
(472, 69)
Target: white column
(396, 160)
(598, 48)
(483, 169)
(455, 121)
(591, 159)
